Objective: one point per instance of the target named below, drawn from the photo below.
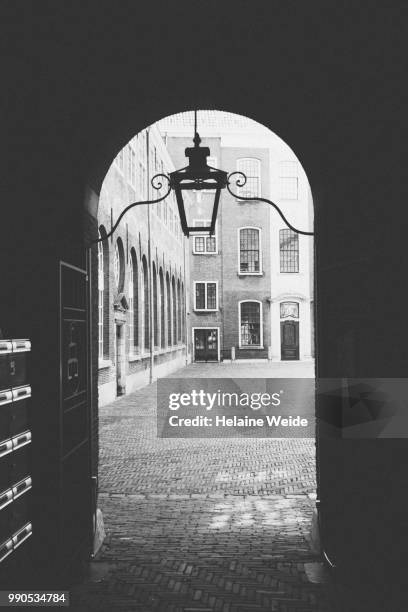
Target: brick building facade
(252, 283)
(142, 272)
(245, 293)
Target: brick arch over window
(133, 294)
(146, 304)
(155, 308)
(162, 310)
(174, 313)
(103, 296)
(169, 326)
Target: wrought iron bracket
(156, 184)
(240, 182)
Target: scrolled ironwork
(238, 183)
(156, 184)
(122, 214)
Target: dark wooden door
(205, 345)
(75, 538)
(289, 340)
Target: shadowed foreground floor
(201, 525)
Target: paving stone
(200, 525)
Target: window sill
(254, 347)
(134, 357)
(104, 363)
(204, 310)
(200, 253)
(250, 273)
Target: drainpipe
(149, 255)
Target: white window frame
(251, 346)
(240, 163)
(288, 174)
(260, 273)
(279, 253)
(205, 235)
(205, 283)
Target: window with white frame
(205, 295)
(100, 299)
(288, 180)
(204, 244)
(251, 167)
(250, 324)
(249, 250)
(289, 251)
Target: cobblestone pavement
(202, 525)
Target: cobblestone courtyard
(201, 525)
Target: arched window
(169, 326)
(183, 315)
(155, 308)
(250, 324)
(103, 296)
(250, 250)
(119, 266)
(145, 312)
(251, 167)
(289, 250)
(162, 310)
(173, 292)
(100, 300)
(133, 304)
(178, 311)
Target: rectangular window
(289, 251)
(250, 324)
(288, 180)
(203, 244)
(249, 251)
(252, 170)
(205, 295)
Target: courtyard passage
(202, 524)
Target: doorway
(289, 340)
(206, 344)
